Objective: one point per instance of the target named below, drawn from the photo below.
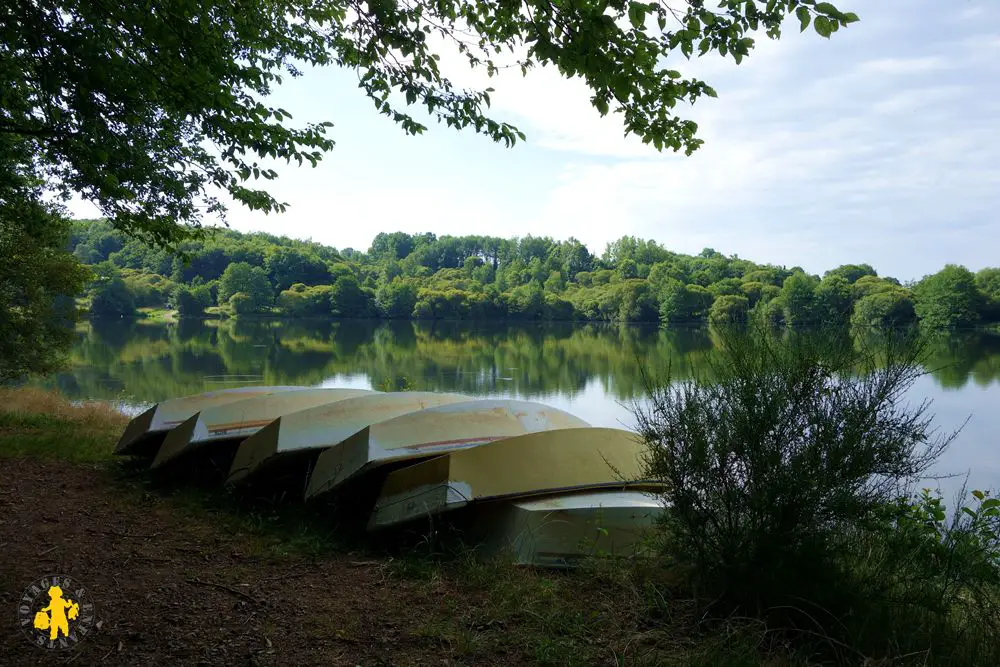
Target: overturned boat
(236, 420)
(559, 531)
(431, 432)
(544, 463)
(540, 485)
(306, 432)
(145, 432)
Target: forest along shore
(423, 276)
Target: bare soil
(172, 589)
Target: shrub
(111, 297)
(557, 308)
(770, 313)
(938, 579)
(888, 308)
(191, 301)
(729, 309)
(242, 304)
(302, 301)
(778, 467)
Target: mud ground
(170, 589)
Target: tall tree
(833, 300)
(349, 299)
(988, 282)
(851, 272)
(109, 295)
(798, 295)
(888, 308)
(287, 266)
(251, 281)
(38, 280)
(680, 303)
(948, 299)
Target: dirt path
(172, 590)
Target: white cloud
(877, 145)
(889, 66)
(811, 149)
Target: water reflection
(590, 370)
(150, 362)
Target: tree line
(423, 276)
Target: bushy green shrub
(191, 301)
(242, 304)
(729, 309)
(783, 465)
(302, 301)
(148, 289)
(932, 581)
(887, 308)
(111, 297)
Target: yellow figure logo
(57, 613)
(55, 618)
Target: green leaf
(992, 502)
(849, 17)
(978, 495)
(602, 106)
(823, 26)
(804, 17)
(827, 8)
(637, 14)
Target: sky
(880, 145)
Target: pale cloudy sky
(880, 145)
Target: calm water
(589, 370)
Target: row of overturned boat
(543, 486)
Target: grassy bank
(41, 424)
(469, 611)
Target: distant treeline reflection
(140, 361)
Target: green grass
(41, 424)
(157, 314)
(50, 438)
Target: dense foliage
(423, 276)
(38, 278)
(38, 281)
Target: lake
(589, 370)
